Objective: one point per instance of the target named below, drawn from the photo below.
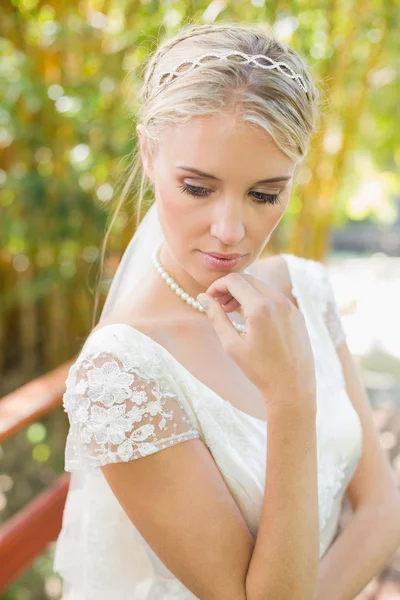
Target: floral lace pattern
(119, 411)
(331, 312)
(316, 273)
(333, 320)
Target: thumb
(219, 319)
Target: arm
(133, 427)
(198, 531)
(284, 561)
(373, 534)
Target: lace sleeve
(121, 409)
(331, 311)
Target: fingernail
(204, 300)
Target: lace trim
(119, 411)
(333, 319)
(318, 276)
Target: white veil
(136, 260)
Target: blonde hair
(266, 98)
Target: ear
(147, 164)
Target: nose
(228, 222)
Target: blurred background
(69, 75)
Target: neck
(183, 279)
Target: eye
(194, 190)
(267, 198)
(261, 198)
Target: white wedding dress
(127, 397)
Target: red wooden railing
(26, 535)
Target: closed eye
(260, 198)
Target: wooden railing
(26, 534)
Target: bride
(216, 416)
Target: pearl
(241, 327)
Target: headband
(167, 76)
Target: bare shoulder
(160, 330)
(145, 325)
(273, 271)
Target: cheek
(174, 213)
(264, 225)
(170, 203)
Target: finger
(269, 290)
(245, 289)
(228, 302)
(231, 305)
(261, 285)
(223, 298)
(220, 321)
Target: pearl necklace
(179, 291)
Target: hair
(264, 97)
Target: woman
(177, 491)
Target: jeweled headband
(167, 76)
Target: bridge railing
(25, 535)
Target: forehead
(222, 144)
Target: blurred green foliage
(69, 73)
(66, 130)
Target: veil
(136, 260)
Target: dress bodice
(128, 397)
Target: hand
(275, 350)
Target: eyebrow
(209, 176)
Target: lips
(226, 256)
(222, 264)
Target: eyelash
(200, 191)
